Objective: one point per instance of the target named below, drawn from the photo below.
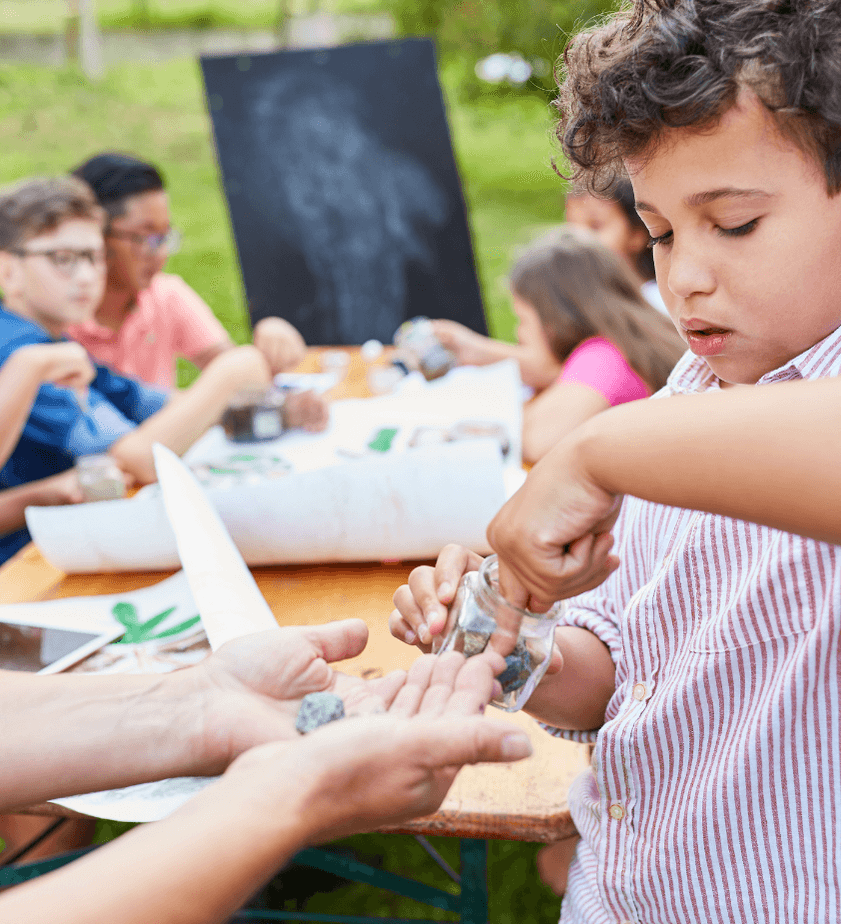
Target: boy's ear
(10, 273)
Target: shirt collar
(692, 373)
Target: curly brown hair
(679, 63)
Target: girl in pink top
(587, 339)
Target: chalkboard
(342, 187)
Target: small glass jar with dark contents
(255, 415)
(478, 610)
(420, 348)
(100, 478)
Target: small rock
(318, 709)
(474, 642)
(518, 669)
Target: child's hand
(58, 490)
(281, 344)
(307, 410)
(65, 364)
(421, 605)
(552, 536)
(239, 368)
(469, 347)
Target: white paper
(225, 591)
(401, 504)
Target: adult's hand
(253, 686)
(361, 773)
(552, 536)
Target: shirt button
(617, 811)
(639, 692)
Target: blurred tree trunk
(82, 38)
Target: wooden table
(523, 801)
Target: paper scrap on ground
(396, 504)
(225, 591)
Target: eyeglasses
(170, 241)
(67, 261)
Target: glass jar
(254, 415)
(416, 340)
(478, 609)
(100, 478)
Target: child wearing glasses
(52, 275)
(146, 317)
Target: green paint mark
(382, 441)
(137, 631)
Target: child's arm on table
(188, 414)
(25, 371)
(473, 349)
(282, 345)
(47, 492)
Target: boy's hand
(65, 364)
(238, 368)
(552, 536)
(469, 347)
(281, 344)
(307, 410)
(57, 490)
(421, 605)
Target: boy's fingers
(410, 610)
(451, 565)
(422, 585)
(401, 629)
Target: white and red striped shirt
(714, 789)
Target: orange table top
(523, 801)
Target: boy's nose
(689, 273)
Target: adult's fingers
(458, 740)
(409, 697)
(336, 641)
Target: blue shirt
(59, 430)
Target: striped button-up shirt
(714, 789)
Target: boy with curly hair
(706, 669)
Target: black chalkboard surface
(344, 195)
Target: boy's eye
(740, 230)
(64, 259)
(661, 239)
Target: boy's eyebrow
(711, 195)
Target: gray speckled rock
(474, 642)
(318, 709)
(518, 669)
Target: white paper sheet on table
(403, 504)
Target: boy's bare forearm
(767, 454)
(576, 697)
(94, 733)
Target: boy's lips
(703, 338)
